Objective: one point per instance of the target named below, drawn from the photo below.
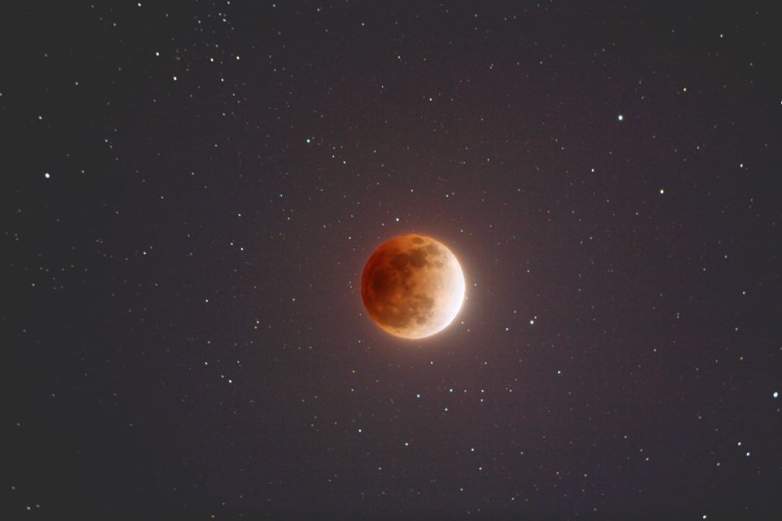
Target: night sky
(191, 192)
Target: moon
(412, 286)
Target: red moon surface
(412, 286)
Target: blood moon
(412, 286)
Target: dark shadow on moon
(389, 289)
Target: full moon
(412, 286)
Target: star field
(191, 193)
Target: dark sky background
(191, 193)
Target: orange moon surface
(412, 286)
